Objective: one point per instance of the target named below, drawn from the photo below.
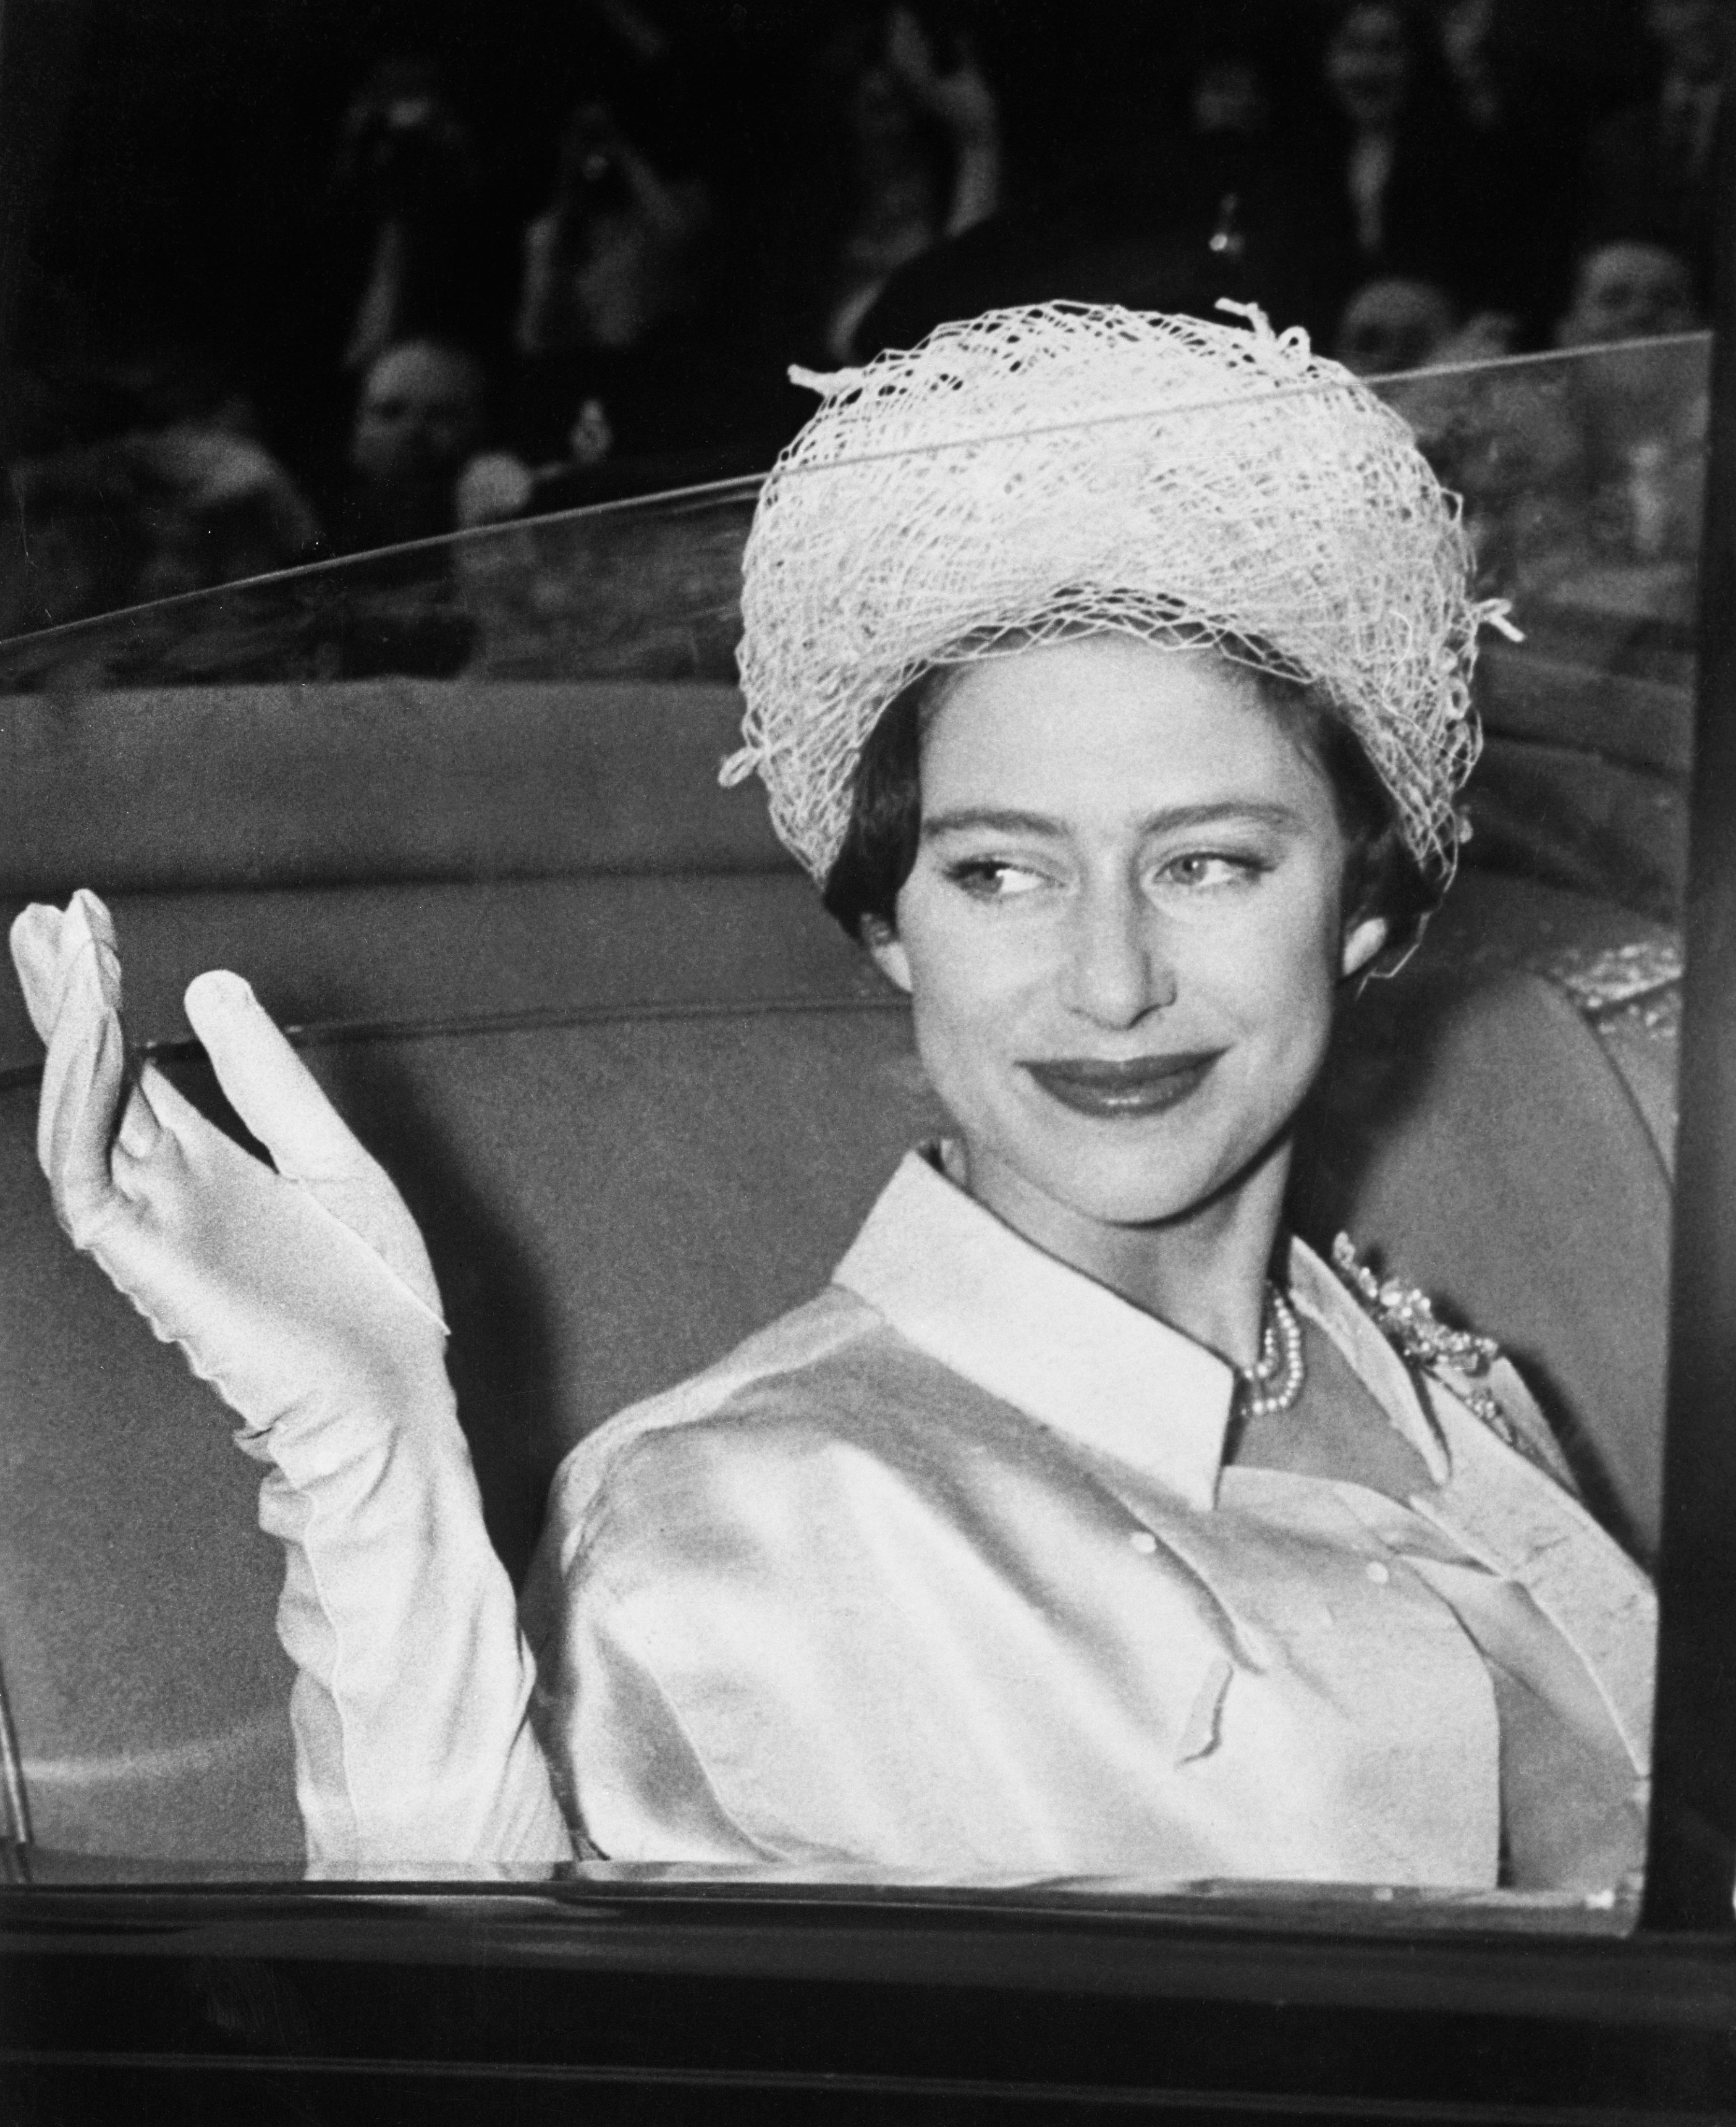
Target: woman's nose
(1119, 967)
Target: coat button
(1376, 1573)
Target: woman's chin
(1116, 1187)
(1125, 1173)
(1133, 1206)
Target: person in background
(422, 415)
(1526, 117)
(1407, 186)
(226, 508)
(909, 144)
(1648, 167)
(641, 338)
(1392, 325)
(84, 537)
(1210, 201)
(1643, 409)
(619, 340)
(175, 490)
(621, 247)
(409, 252)
(1628, 291)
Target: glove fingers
(36, 939)
(279, 1099)
(178, 1216)
(267, 1084)
(84, 1084)
(153, 1107)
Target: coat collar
(961, 1284)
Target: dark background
(167, 160)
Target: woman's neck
(1204, 1273)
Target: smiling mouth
(1146, 1086)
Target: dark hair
(1381, 877)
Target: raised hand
(302, 1292)
(283, 1284)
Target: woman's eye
(992, 878)
(1210, 867)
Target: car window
(454, 809)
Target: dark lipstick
(1143, 1085)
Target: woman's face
(1122, 933)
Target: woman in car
(1110, 675)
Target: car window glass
(453, 808)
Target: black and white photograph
(868, 1238)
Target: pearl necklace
(1273, 1382)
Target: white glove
(288, 1290)
(305, 1295)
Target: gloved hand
(289, 1289)
(304, 1294)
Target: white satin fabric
(944, 1573)
(943, 1577)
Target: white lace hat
(1067, 469)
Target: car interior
(454, 812)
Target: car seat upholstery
(638, 1092)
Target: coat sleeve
(414, 1751)
(719, 1655)
(630, 1773)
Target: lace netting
(1041, 472)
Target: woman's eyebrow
(1253, 812)
(1169, 819)
(996, 820)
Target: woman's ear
(886, 953)
(1363, 940)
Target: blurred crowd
(482, 326)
